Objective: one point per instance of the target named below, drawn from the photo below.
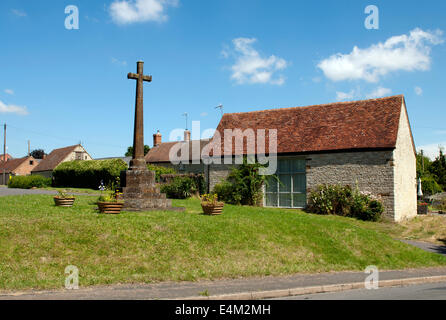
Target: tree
(438, 168)
(129, 152)
(38, 154)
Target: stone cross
(138, 161)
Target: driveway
(20, 192)
(435, 248)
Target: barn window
(288, 190)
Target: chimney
(157, 139)
(186, 135)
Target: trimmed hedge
(28, 182)
(88, 174)
(160, 170)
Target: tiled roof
(160, 153)
(367, 124)
(54, 159)
(2, 157)
(11, 165)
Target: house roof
(355, 125)
(52, 160)
(2, 157)
(160, 153)
(11, 165)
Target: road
(430, 291)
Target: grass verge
(38, 240)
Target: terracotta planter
(63, 202)
(110, 207)
(212, 209)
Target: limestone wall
(405, 172)
(371, 171)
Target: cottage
(57, 156)
(367, 144)
(159, 154)
(17, 167)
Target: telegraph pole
(4, 156)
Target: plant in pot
(211, 205)
(110, 202)
(422, 208)
(63, 199)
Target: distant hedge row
(28, 182)
(87, 174)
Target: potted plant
(211, 205)
(422, 208)
(111, 202)
(63, 199)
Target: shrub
(344, 201)
(88, 174)
(159, 170)
(430, 186)
(180, 188)
(243, 186)
(28, 182)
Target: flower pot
(110, 207)
(422, 208)
(212, 209)
(63, 202)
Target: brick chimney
(186, 135)
(157, 139)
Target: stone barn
(367, 144)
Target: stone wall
(371, 171)
(216, 173)
(405, 172)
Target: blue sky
(59, 87)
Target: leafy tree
(438, 169)
(423, 167)
(38, 154)
(129, 152)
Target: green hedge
(181, 188)
(160, 170)
(28, 182)
(88, 174)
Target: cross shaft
(138, 161)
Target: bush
(430, 186)
(344, 201)
(180, 188)
(28, 182)
(88, 174)
(243, 186)
(159, 170)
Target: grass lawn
(38, 240)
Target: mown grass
(38, 240)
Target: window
(31, 162)
(288, 189)
(79, 155)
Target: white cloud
(418, 91)
(131, 11)
(340, 96)
(119, 62)
(250, 67)
(399, 53)
(204, 114)
(19, 13)
(9, 91)
(432, 150)
(4, 108)
(379, 93)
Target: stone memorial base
(141, 193)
